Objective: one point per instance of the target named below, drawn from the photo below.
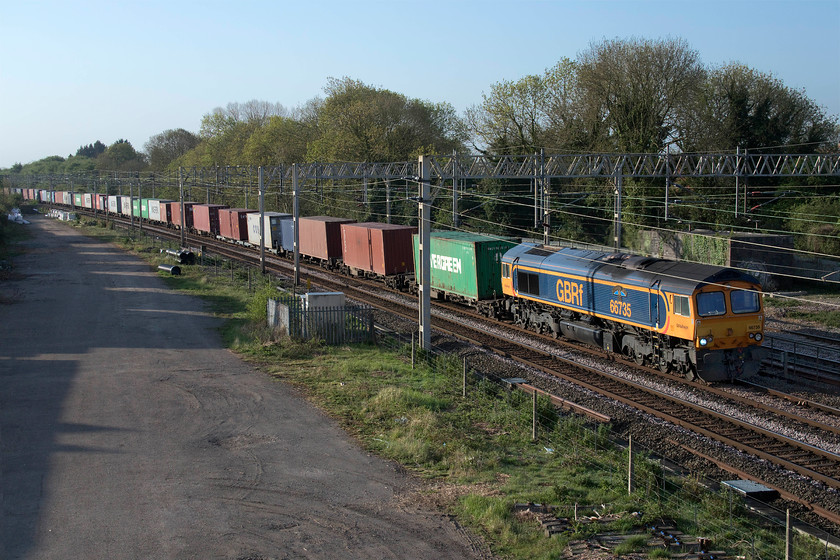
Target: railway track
(785, 452)
(810, 356)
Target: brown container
(320, 237)
(175, 213)
(383, 249)
(233, 223)
(206, 218)
(166, 212)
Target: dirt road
(127, 431)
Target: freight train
(699, 321)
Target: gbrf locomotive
(699, 320)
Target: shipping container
(233, 223)
(157, 211)
(287, 236)
(175, 209)
(465, 265)
(135, 207)
(273, 229)
(382, 249)
(125, 206)
(114, 204)
(166, 211)
(320, 237)
(101, 202)
(77, 199)
(206, 218)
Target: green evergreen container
(467, 265)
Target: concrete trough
(750, 489)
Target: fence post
(630, 480)
(464, 382)
(412, 349)
(788, 539)
(534, 416)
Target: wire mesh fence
(347, 324)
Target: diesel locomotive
(698, 320)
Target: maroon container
(320, 236)
(383, 249)
(233, 223)
(206, 217)
(188, 213)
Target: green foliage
(91, 151)
(635, 543)
(165, 148)
(819, 221)
(122, 156)
(258, 303)
(704, 248)
(358, 122)
(742, 107)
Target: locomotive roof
(674, 276)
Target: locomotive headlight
(704, 341)
(752, 335)
(758, 336)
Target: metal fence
(334, 325)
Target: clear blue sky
(72, 73)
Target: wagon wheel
(664, 366)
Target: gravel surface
(127, 431)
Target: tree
(164, 148)
(639, 87)
(282, 141)
(91, 150)
(513, 118)
(535, 112)
(361, 123)
(741, 107)
(121, 156)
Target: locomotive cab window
(711, 303)
(528, 283)
(743, 301)
(681, 306)
(505, 270)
